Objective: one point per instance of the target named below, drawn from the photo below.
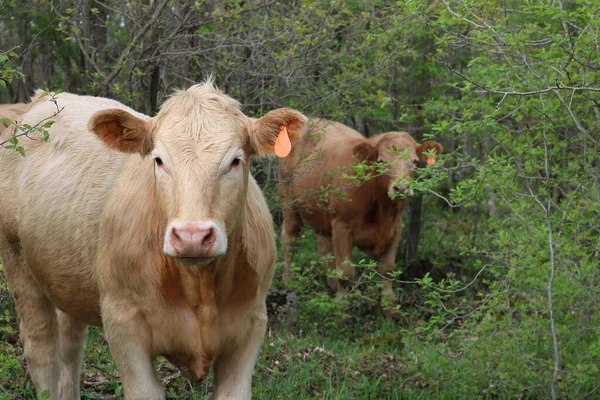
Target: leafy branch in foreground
(20, 130)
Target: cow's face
(200, 145)
(401, 154)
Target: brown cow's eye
(235, 163)
(158, 161)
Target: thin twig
(558, 87)
(125, 54)
(552, 270)
(104, 371)
(28, 131)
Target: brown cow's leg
(388, 298)
(386, 265)
(130, 341)
(342, 245)
(290, 228)
(325, 248)
(37, 321)
(233, 371)
(72, 337)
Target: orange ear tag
(430, 160)
(283, 146)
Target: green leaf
(6, 121)
(48, 124)
(21, 150)
(46, 136)
(45, 394)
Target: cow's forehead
(200, 119)
(205, 145)
(398, 142)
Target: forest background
(498, 278)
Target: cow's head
(200, 144)
(400, 152)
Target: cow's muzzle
(195, 242)
(399, 191)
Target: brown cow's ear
(426, 146)
(122, 131)
(365, 152)
(265, 132)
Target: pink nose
(193, 239)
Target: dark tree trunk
(419, 93)
(98, 31)
(154, 86)
(415, 205)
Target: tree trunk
(415, 205)
(154, 86)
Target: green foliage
(502, 300)
(37, 131)
(8, 70)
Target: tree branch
(121, 61)
(558, 87)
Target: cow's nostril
(397, 189)
(209, 239)
(175, 235)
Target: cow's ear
(275, 132)
(425, 147)
(365, 152)
(122, 131)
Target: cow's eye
(158, 161)
(235, 162)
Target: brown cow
(167, 242)
(345, 212)
(12, 112)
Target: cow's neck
(385, 209)
(380, 220)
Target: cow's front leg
(130, 340)
(37, 321)
(386, 264)
(233, 370)
(342, 246)
(72, 337)
(325, 248)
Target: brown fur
(117, 129)
(82, 229)
(342, 214)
